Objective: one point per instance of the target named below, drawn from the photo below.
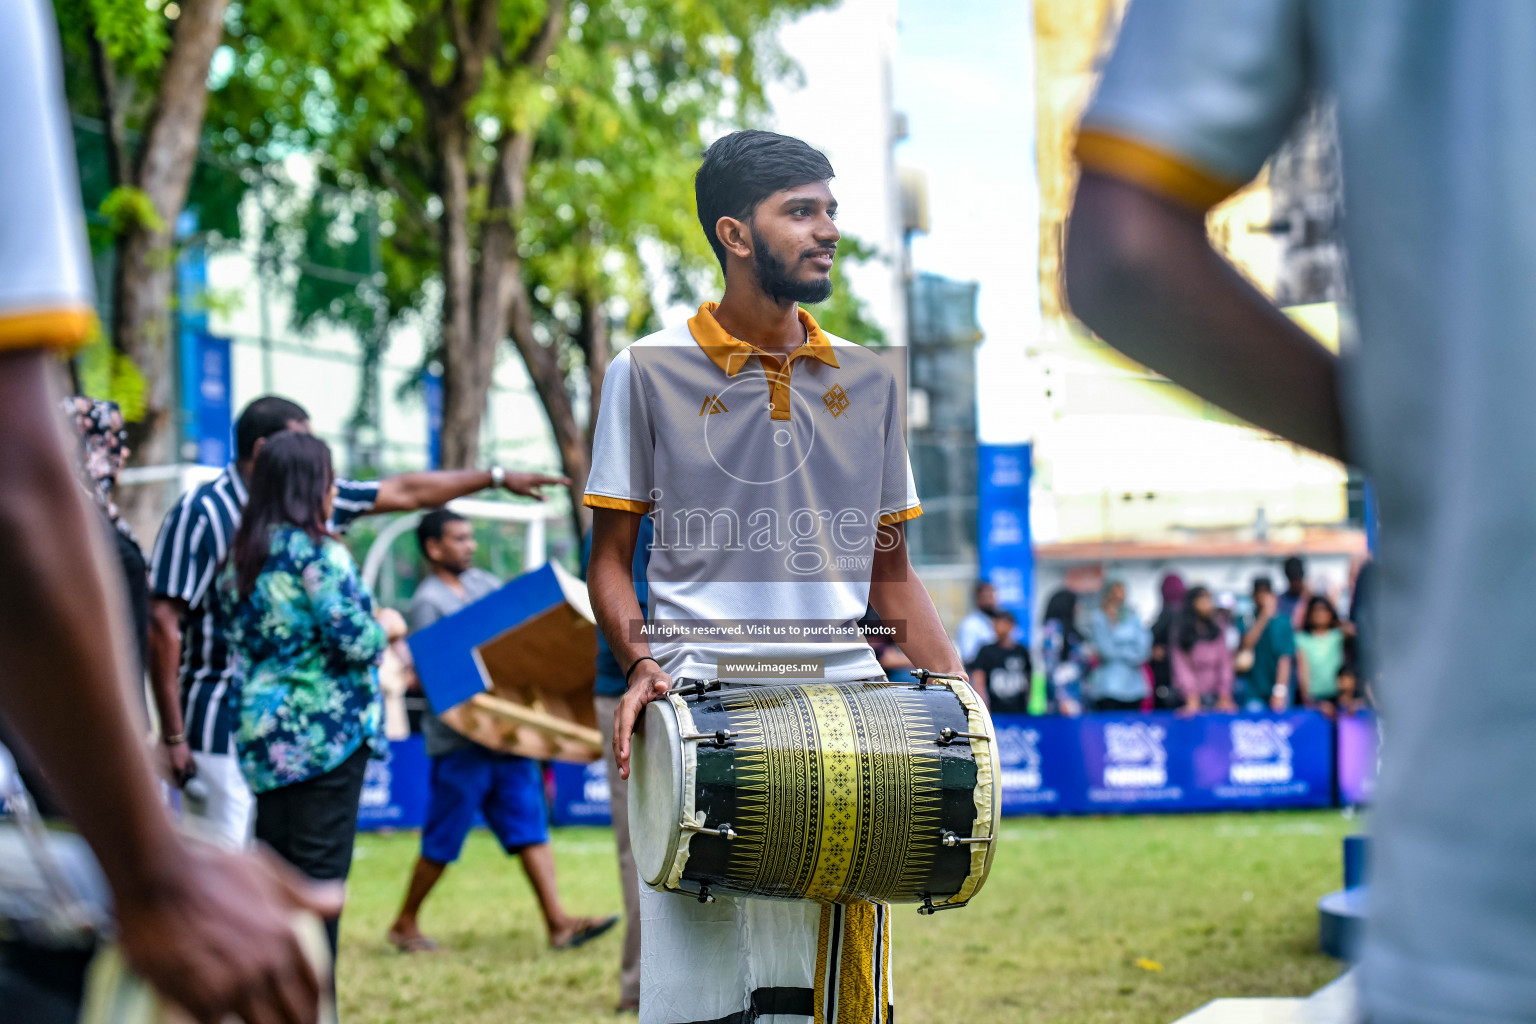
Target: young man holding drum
(771, 460)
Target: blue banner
(432, 391)
(213, 414)
(395, 787)
(581, 794)
(1107, 764)
(1006, 555)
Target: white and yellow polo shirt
(766, 479)
(45, 275)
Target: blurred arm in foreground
(211, 930)
(1142, 273)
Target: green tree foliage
(532, 160)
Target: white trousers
(228, 815)
(729, 960)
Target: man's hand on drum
(646, 684)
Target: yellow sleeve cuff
(64, 330)
(620, 504)
(892, 518)
(1155, 170)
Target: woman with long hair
(1198, 654)
(1320, 645)
(1165, 695)
(302, 625)
(1062, 654)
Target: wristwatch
(498, 477)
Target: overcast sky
(965, 77)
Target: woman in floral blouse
(302, 624)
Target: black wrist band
(636, 665)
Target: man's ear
(735, 235)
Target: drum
(873, 790)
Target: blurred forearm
(165, 663)
(64, 645)
(410, 492)
(1141, 272)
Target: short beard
(774, 278)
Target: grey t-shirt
(434, 600)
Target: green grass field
(1120, 919)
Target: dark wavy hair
(1318, 600)
(1062, 608)
(289, 485)
(1194, 627)
(744, 168)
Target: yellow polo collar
(731, 354)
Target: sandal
(587, 930)
(412, 943)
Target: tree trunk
(464, 391)
(142, 282)
(549, 381)
(598, 349)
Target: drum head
(656, 792)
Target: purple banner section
(395, 788)
(581, 794)
(1113, 764)
(1358, 744)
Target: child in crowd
(1002, 670)
(1320, 644)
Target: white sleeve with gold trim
(898, 491)
(45, 277)
(622, 443)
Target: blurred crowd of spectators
(1262, 651)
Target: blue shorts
(507, 789)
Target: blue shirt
(1123, 648)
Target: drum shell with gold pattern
(837, 793)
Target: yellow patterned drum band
(837, 793)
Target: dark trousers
(312, 824)
(1110, 704)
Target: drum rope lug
(922, 675)
(950, 839)
(948, 736)
(928, 907)
(720, 738)
(695, 687)
(724, 831)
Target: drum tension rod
(695, 687)
(719, 738)
(922, 676)
(929, 908)
(950, 839)
(724, 831)
(948, 736)
(705, 896)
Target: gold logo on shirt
(712, 405)
(836, 400)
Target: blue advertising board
(581, 794)
(1006, 555)
(395, 787)
(1112, 764)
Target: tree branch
(538, 48)
(113, 109)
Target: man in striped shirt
(194, 679)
